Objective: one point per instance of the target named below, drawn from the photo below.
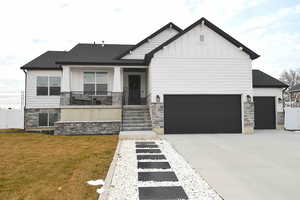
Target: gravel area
(125, 180)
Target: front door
(134, 83)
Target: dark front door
(264, 113)
(134, 96)
(202, 114)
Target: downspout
(25, 94)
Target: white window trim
(48, 77)
(95, 82)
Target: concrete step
(137, 125)
(136, 118)
(136, 128)
(140, 120)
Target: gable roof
(251, 53)
(263, 80)
(295, 88)
(45, 61)
(169, 25)
(85, 54)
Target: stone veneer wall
(248, 118)
(31, 117)
(157, 117)
(280, 120)
(87, 127)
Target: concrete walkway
(265, 165)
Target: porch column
(65, 86)
(65, 82)
(117, 91)
(117, 80)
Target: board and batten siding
(189, 66)
(139, 53)
(34, 101)
(270, 92)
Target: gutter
(25, 94)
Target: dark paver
(154, 165)
(162, 193)
(144, 143)
(148, 151)
(146, 146)
(151, 157)
(157, 176)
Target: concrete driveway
(265, 165)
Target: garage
(264, 113)
(202, 114)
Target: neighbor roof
(45, 61)
(98, 54)
(251, 53)
(262, 80)
(295, 88)
(169, 25)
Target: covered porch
(104, 85)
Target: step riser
(136, 121)
(136, 129)
(137, 125)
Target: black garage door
(264, 113)
(202, 114)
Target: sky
(31, 27)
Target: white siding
(189, 66)
(270, 92)
(140, 52)
(34, 101)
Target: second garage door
(264, 113)
(202, 114)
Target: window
(95, 83)
(48, 86)
(42, 86)
(54, 85)
(48, 119)
(43, 119)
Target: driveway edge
(110, 173)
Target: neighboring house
(196, 80)
(294, 92)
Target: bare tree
(290, 77)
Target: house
(294, 92)
(196, 80)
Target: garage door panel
(202, 113)
(264, 113)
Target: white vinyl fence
(11, 118)
(292, 118)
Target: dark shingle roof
(295, 88)
(98, 54)
(45, 61)
(263, 80)
(251, 53)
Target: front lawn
(44, 167)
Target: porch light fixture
(157, 99)
(248, 98)
(241, 48)
(279, 100)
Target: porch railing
(101, 98)
(85, 98)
